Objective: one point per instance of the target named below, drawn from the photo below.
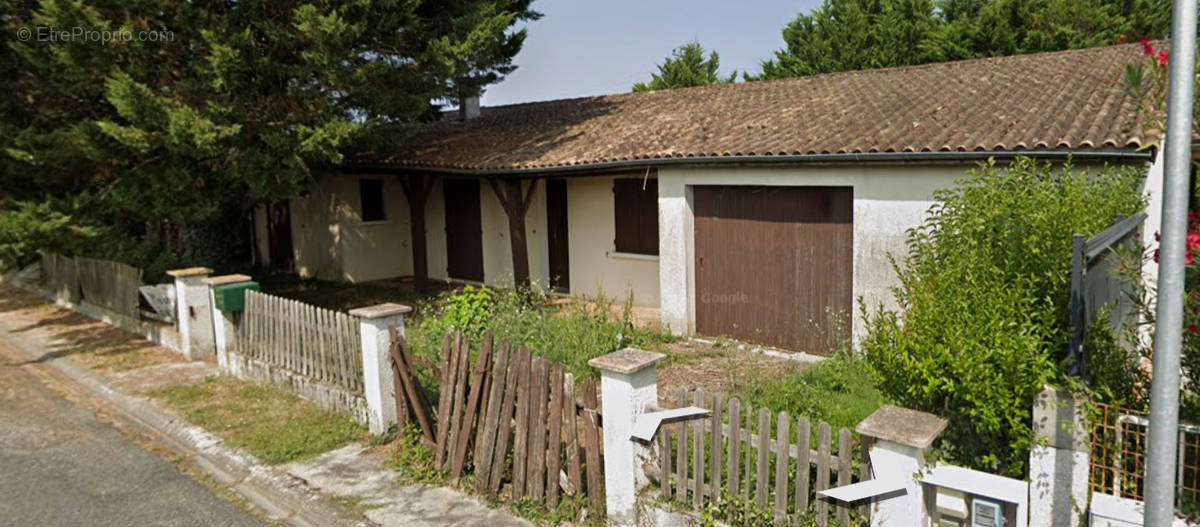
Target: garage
(774, 265)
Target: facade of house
(763, 211)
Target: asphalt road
(62, 465)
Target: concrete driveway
(61, 465)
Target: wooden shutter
(635, 203)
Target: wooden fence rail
(317, 343)
(509, 417)
(734, 457)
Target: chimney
(468, 108)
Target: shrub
(983, 296)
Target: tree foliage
(198, 111)
(844, 35)
(686, 67)
(983, 296)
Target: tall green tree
(843, 35)
(167, 133)
(687, 66)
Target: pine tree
(686, 67)
(230, 106)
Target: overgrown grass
(840, 391)
(570, 334)
(270, 423)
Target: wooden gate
(512, 419)
(774, 264)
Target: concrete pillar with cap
(375, 323)
(629, 388)
(192, 312)
(899, 439)
(224, 322)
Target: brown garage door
(774, 264)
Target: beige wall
(595, 264)
(332, 243)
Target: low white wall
(887, 201)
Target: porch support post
(628, 386)
(192, 312)
(375, 324)
(516, 205)
(417, 190)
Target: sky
(596, 47)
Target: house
(757, 210)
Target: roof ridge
(826, 75)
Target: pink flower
(1146, 47)
(1161, 58)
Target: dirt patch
(84, 340)
(715, 369)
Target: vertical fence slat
(748, 446)
(537, 431)
(718, 448)
(782, 442)
(595, 472)
(803, 465)
(735, 444)
(764, 456)
(843, 512)
(698, 448)
(462, 367)
(823, 438)
(554, 442)
(681, 465)
(571, 424)
(521, 442)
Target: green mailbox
(232, 297)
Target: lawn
(266, 421)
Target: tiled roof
(1069, 100)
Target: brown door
(464, 234)
(774, 264)
(556, 231)
(279, 236)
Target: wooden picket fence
(512, 419)
(61, 276)
(720, 460)
(320, 344)
(109, 284)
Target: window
(636, 207)
(371, 193)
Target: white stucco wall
(595, 266)
(887, 201)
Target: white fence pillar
(193, 313)
(899, 438)
(378, 388)
(1058, 462)
(224, 324)
(628, 386)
